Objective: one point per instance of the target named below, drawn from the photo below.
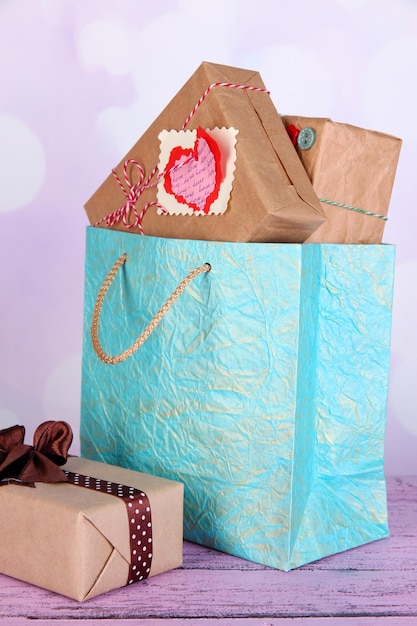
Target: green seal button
(306, 138)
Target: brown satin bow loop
(11, 437)
(26, 464)
(53, 439)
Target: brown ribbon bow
(24, 464)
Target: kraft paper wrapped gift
(352, 170)
(76, 541)
(262, 192)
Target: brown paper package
(272, 199)
(352, 166)
(74, 541)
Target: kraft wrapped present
(99, 527)
(216, 164)
(262, 387)
(352, 171)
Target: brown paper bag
(352, 171)
(271, 199)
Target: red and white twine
(133, 191)
(210, 87)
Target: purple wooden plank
(393, 553)
(231, 593)
(249, 621)
(374, 580)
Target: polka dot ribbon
(140, 523)
(133, 191)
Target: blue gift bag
(256, 374)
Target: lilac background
(81, 80)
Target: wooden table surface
(375, 584)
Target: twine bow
(132, 192)
(23, 464)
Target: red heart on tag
(193, 175)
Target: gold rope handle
(152, 324)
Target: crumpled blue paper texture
(263, 389)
